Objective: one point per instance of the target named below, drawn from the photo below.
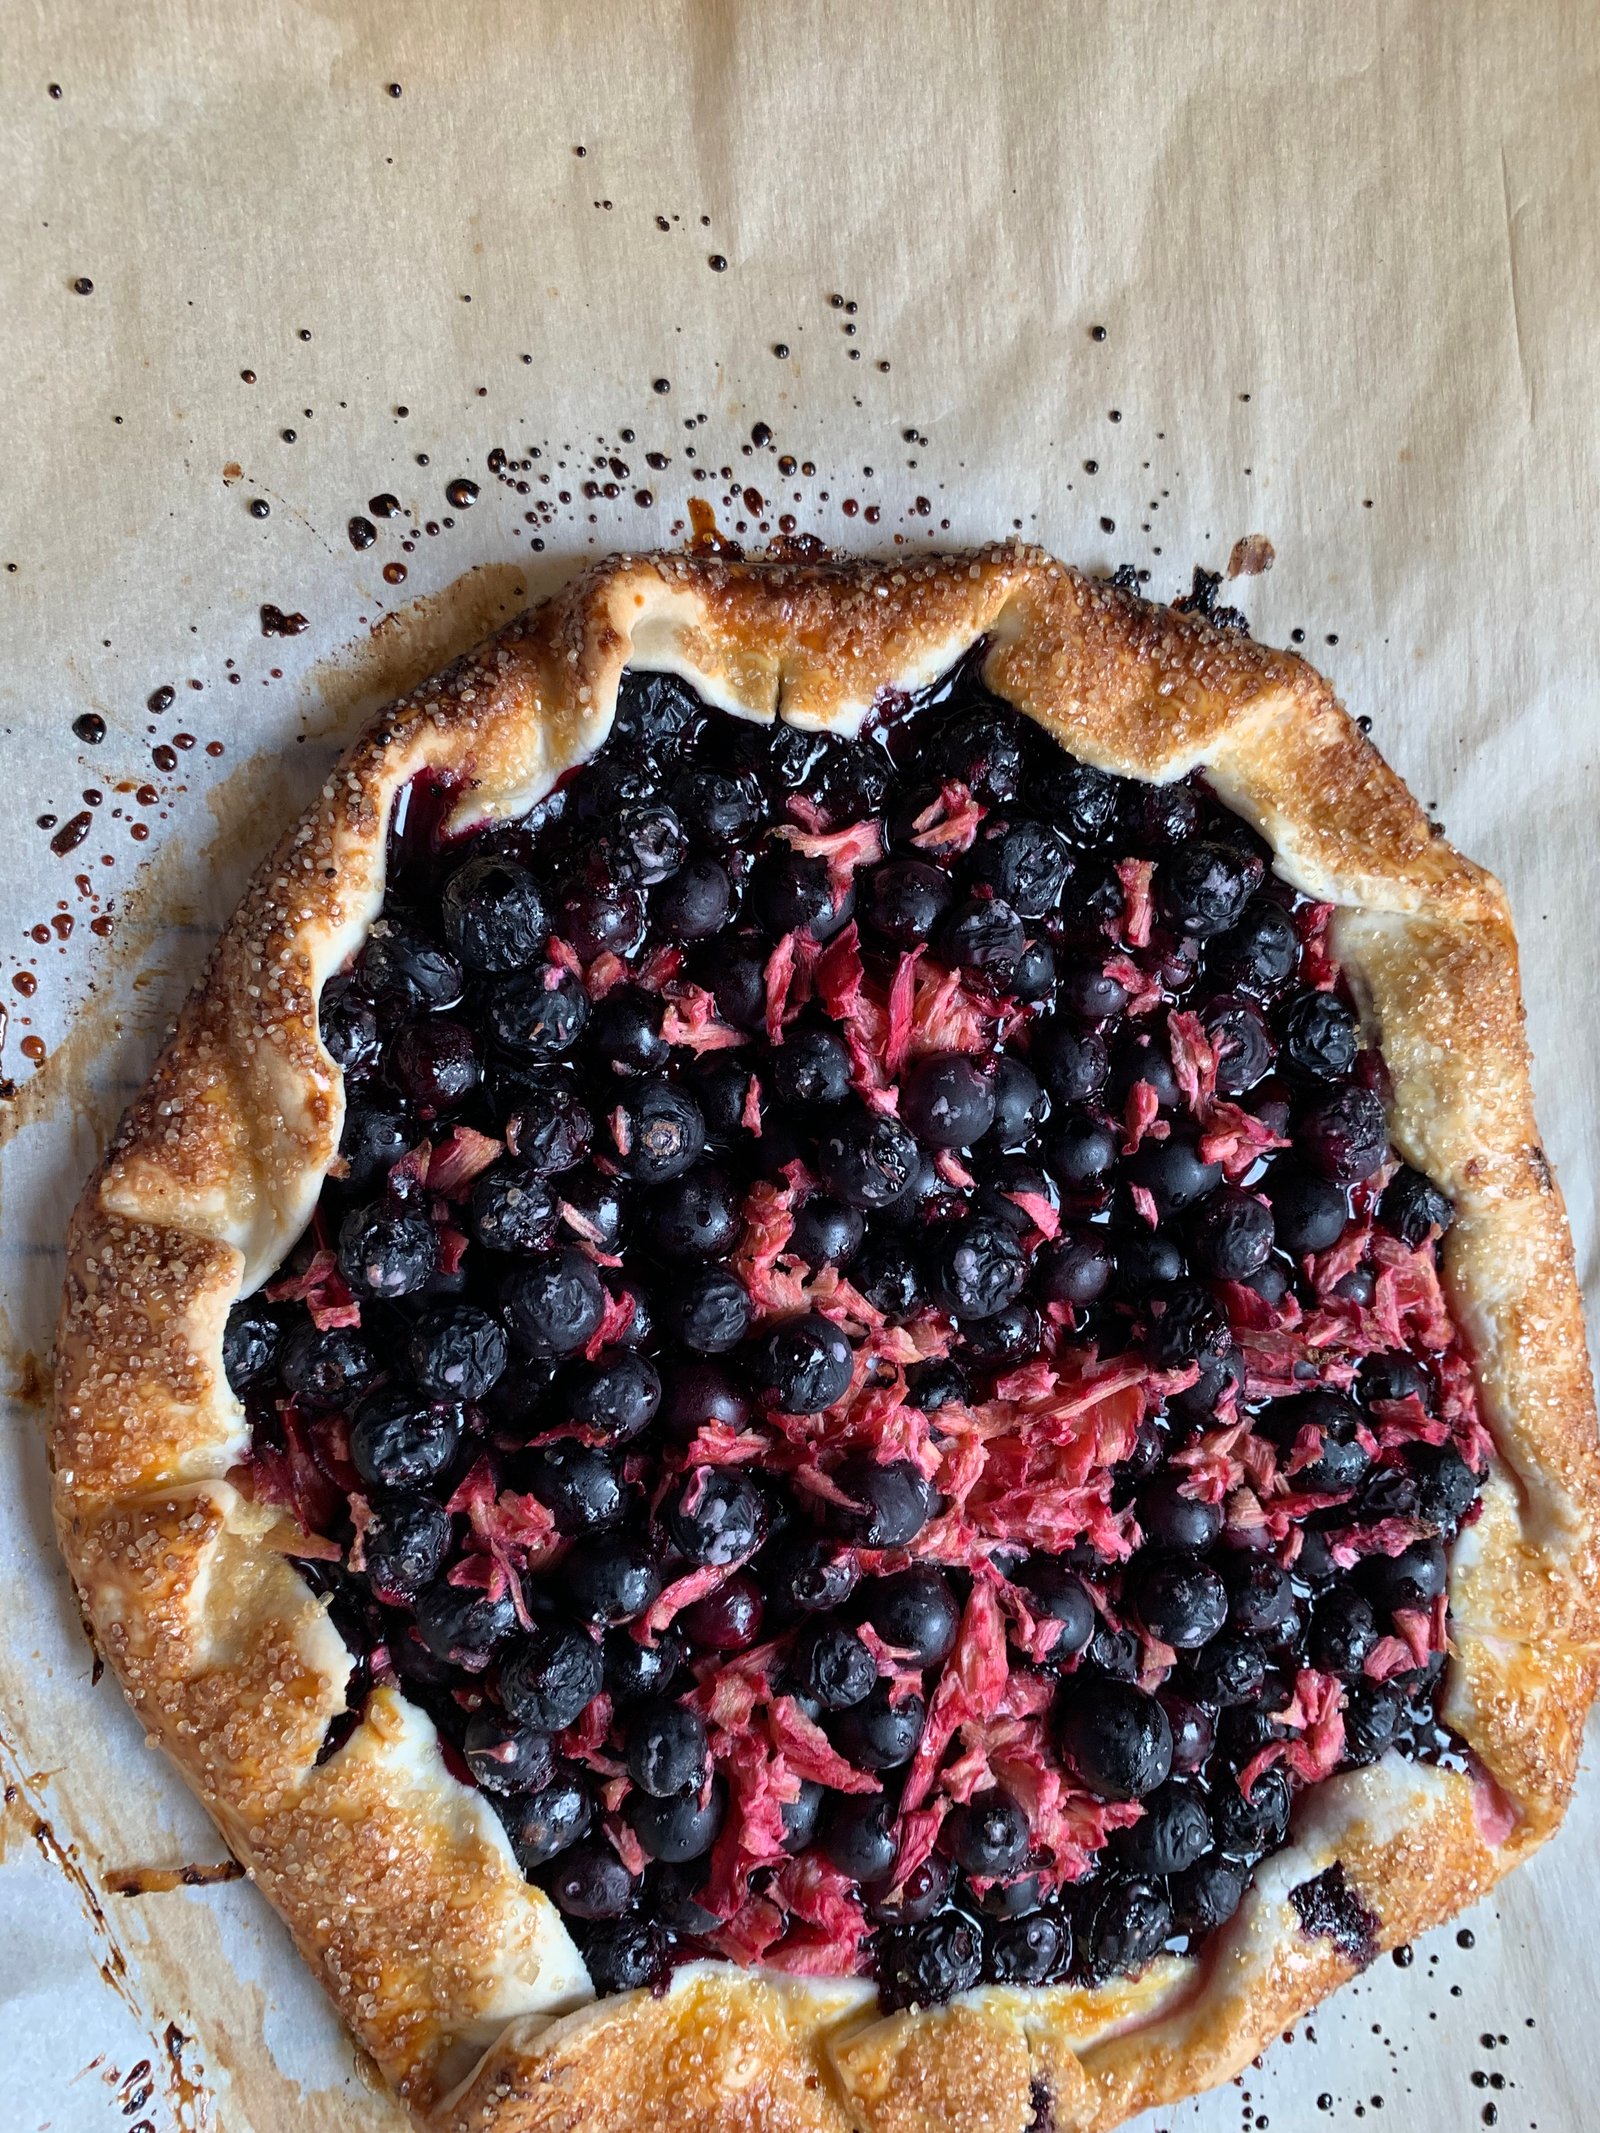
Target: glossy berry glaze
(868, 1359)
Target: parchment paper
(1344, 259)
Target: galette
(833, 1382)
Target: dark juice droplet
(161, 699)
(71, 834)
(26, 983)
(33, 1049)
(384, 505)
(83, 286)
(362, 532)
(462, 493)
(394, 573)
(260, 508)
(163, 757)
(275, 623)
(90, 728)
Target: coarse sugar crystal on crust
(396, 1878)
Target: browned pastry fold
(397, 1880)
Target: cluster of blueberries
(626, 1160)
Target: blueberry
(493, 914)
(549, 1129)
(888, 1505)
(538, 1013)
(1261, 952)
(1008, 1337)
(1090, 993)
(1081, 1150)
(555, 1303)
(625, 1954)
(1372, 1711)
(801, 1816)
(405, 1543)
(1131, 1922)
(625, 1031)
(1206, 1895)
(1071, 1062)
(324, 1370)
(618, 1395)
(1310, 1213)
(646, 843)
(672, 1896)
(794, 893)
(463, 1626)
(398, 1440)
(1173, 1172)
(1079, 798)
(1320, 1037)
(1414, 1208)
(1232, 1234)
(727, 1620)
(981, 749)
(1412, 1579)
(888, 1274)
(512, 1210)
(695, 904)
(977, 1268)
(826, 1233)
(947, 1101)
(1345, 1138)
(1246, 1828)
(1394, 1375)
(456, 1352)
(386, 1251)
(1229, 1670)
(591, 1881)
(631, 1670)
(915, 1611)
(981, 933)
(832, 1666)
(579, 1486)
(680, 1828)
(696, 1392)
(715, 808)
(876, 1734)
(551, 1678)
(939, 1382)
(1344, 1632)
(1116, 1738)
(591, 1208)
(1173, 1832)
(348, 1024)
(736, 970)
(1189, 1326)
(544, 1823)
(601, 914)
(610, 1578)
(1159, 815)
(925, 1965)
(1202, 888)
(1020, 1103)
(905, 899)
(656, 713)
(1171, 1519)
(1178, 1599)
(716, 1516)
(721, 1087)
(372, 1142)
(1076, 1267)
(811, 1068)
(1261, 1601)
(809, 1573)
(434, 1065)
(657, 1131)
(925, 1889)
(406, 973)
(856, 1836)
(1240, 1041)
(989, 1835)
(1193, 1732)
(1033, 1950)
(1446, 1485)
(1057, 1594)
(506, 1756)
(249, 1344)
(805, 1364)
(1026, 864)
(868, 1160)
(711, 1311)
(667, 1749)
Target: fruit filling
(866, 1356)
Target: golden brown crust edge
(435, 1945)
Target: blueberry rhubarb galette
(833, 1382)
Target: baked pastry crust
(396, 1880)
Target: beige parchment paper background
(1344, 259)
